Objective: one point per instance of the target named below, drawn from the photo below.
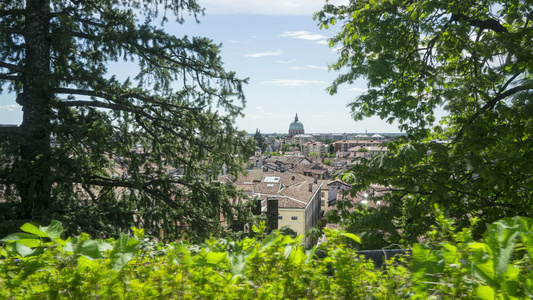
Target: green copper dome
(296, 127)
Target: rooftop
(292, 190)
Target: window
(294, 218)
(280, 217)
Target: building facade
(298, 197)
(345, 145)
(316, 147)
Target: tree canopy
(94, 149)
(470, 60)
(260, 140)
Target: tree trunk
(33, 169)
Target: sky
(280, 48)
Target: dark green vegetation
(260, 140)
(94, 150)
(470, 59)
(39, 264)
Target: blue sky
(279, 47)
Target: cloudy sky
(279, 47)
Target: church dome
(296, 127)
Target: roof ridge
(276, 195)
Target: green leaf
(449, 252)
(17, 236)
(501, 239)
(286, 240)
(482, 267)
(484, 292)
(29, 240)
(139, 233)
(237, 264)
(25, 251)
(309, 254)
(214, 258)
(529, 284)
(426, 262)
(270, 240)
(30, 228)
(527, 241)
(90, 249)
(352, 236)
(510, 285)
(124, 250)
(296, 256)
(54, 230)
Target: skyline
(279, 47)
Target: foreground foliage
(40, 264)
(468, 61)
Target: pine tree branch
(152, 54)
(12, 67)
(4, 76)
(138, 96)
(4, 13)
(138, 111)
(11, 30)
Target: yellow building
(299, 198)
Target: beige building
(299, 197)
(317, 147)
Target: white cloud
(309, 67)
(258, 108)
(261, 54)
(11, 107)
(305, 35)
(266, 7)
(292, 82)
(286, 61)
(322, 42)
(357, 89)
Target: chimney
(316, 180)
(258, 174)
(311, 187)
(272, 213)
(256, 208)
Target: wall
(286, 214)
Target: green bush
(39, 264)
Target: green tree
(327, 162)
(260, 140)
(313, 154)
(331, 149)
(470, 59)
(285, 147)
(363, 149)
(114, 141)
